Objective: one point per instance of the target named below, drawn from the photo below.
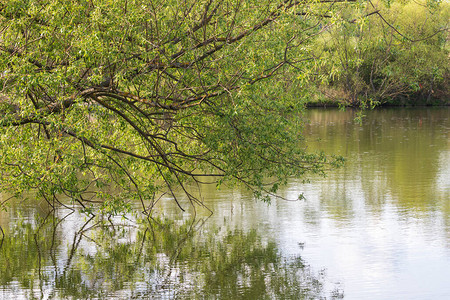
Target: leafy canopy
(122, 100)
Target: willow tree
(121, 100)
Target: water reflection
(396, 151)
(381, 224)
(58, 256)
(379, 228)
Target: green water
(379, 228)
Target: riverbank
(394, 103)
(332, 96)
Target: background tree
(123, 100)
(386, 51)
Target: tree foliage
(122, 100)
(386, 51)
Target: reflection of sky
(443, 177)
(381, 255)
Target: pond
(378, 228)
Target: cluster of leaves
(124, 100)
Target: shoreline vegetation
(417, 101)
(331, 97)
(398, 103)
(386, 53)
(331, 104)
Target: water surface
(379, 228)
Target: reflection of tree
(148, 259)
(394, 152)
